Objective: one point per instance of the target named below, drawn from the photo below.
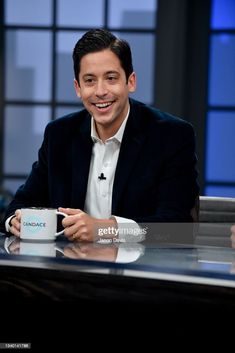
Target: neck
(106, 131)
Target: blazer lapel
(81, 156)
(132, 142)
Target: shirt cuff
(7, 223)
(129, 230)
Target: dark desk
(123, 272)
(94, 281)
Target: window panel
(220, 164)
(28, 65)
(80, 13)
(12, 184)
(28, 12)
(222, 70)
(62, 111)
(23, 134)
(132, 13)
(223, 191)
(65, 44)
(142, 46)
(223, 14)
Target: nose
(101, 89)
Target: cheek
(86, 93)
(119, 91)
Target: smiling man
(118, 162)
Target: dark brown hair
(100, 39)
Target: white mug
(38, 223)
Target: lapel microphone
(102, 177)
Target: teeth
(103, 105)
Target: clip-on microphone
(102, 177)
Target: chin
(103, 120)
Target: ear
(132, 82)
(77, 88)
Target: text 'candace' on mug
(39, 223)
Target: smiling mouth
(103, 105)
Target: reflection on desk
(127, 272)
(111, 252)
(160, 257)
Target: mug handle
(62, 214)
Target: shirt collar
(119, 134)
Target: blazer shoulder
(155, 117)
(173, 121)
(75, 117)
(71, 122)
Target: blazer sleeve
(178, 188)
(163, 186)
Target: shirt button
(104, 194)
(106, 164)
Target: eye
(89, 81)
(112, 78)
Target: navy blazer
(155, 178)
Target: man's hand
(15, 223)
(82, 227)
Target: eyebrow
(106, 73)
(87, 75)
(111, 72)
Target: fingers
(76, 224)
(18, 214)
(16, 223)
(70, 220)
(75, 229)
(82, 235)
(70, 211)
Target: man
(116, 162)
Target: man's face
(104, 89)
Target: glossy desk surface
(154, 279)
(211, 265)
(167, 283)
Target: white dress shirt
(104, 158)
(98, 202)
